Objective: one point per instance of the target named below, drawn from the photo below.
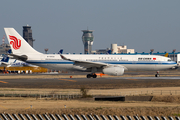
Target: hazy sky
(140, 24)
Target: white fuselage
(129, 62)
(112, 64)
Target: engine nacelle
(114, 70)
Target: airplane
(110, 64)
(4, 61)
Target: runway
(157, 78)
(91, 83)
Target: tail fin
(18, 44)
(5, 58)
(166, 55)
(109, 52)
(9, 51)
(61, 51)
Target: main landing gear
(157, 74)
(91, 75)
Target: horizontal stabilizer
(4, 64)
(22, 57)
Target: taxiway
(98, 83)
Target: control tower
(27, 34)
(87, 39)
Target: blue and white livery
(8, 62)
(111, 64)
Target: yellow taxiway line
(3, 82)
(3, 107)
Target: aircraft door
(134, 61)
(43, 59)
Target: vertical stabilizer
(5, 59)
(166, 55)
(18, 44)
(61, 51)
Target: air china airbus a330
(111, 64)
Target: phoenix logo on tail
(16, 43)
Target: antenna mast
(3, 40)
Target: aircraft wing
(86, 64)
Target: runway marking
(3, 107)
(3, 82)
(68, 80)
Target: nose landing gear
(91, 75)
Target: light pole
(152, 50)
(174, 54)
(46, 49)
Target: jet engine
(114, 70)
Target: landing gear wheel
(94, 76)
(157, 75)
(91, 75)
(88, 75)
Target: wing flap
(89, 64)
(22, 57)
(86, 64)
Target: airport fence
(145, 92)
(77, 94)
(39, 96)
(8, 116)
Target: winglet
(166, 55)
